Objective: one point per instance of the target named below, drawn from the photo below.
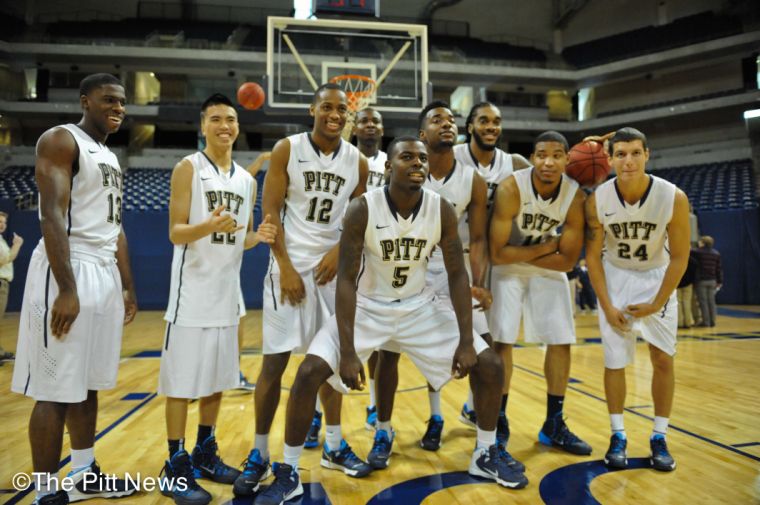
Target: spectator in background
(685, 292)
(694, 225)
(709, 279)
(7, 255)
(587, 295)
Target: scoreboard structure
(369, 8)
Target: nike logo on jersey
(206, 178)
(381, 227)
(608, 214)
(303, 161)
(93, 151)
(527, 203)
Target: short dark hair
(215, 99)
(369, 109)
(471, 116)
(627, 134)
(551, 136)
(93, 81)
(323, 87)
(435, 104)
(398, 140)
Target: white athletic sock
(318, 405)
(333, 436)
(384, 425)
(485, 439)
(470, 400)
(82, 458)
(291, 455)
(46, 484)
(261, 442)
(371, 393)
(435, 403)
(660, 426)
(616, 424)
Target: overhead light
(750, 114)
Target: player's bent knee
(313, 372)
(273, 365)
(489, 367)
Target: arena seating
(678, 101)
(681, 32)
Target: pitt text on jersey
(538, 222)
(323, 181)
(400, 249)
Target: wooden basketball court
(714, 433)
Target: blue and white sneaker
(616, 456)
(208, 464)
(661, 459)
(512, 462)
(431, 441)
(312, 438)
(489, 464)
(256, 469)
(380, 455)
(502, 429)
(286, 486)
(371, 423)
(555, 433)
(100, 487)
(467, 416)
(178, 481)
(345, 460)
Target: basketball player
(637, 249)
(369, 131)
(71, 321)
(466, 191)
(311, 178)
(483, 126)
(528, 278)
(210, 224)
(388, 235)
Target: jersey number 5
(624, 251)
(323, 215)
(399, 276)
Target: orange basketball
(251, 95)
(588, 164)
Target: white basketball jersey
(396, 249)
(635, 236)
(499, 169)
(205, 280)
(538, 219)
(376, 178)
(457, 189)
(94, 217)
(319, 189)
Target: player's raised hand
(222, 223)
(17, 240)
(327, 267)
(617, 319)
(266, 231)
(292, 289)
(464, 359)
(641, 309)
(64, 313)
(352, 371)
(483, 296)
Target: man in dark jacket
(709, 279)
(685, 289)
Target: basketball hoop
(359, 90)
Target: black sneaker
(616, 456)
(344, 460)
(555, 433)
(286, 486)
(380, 455)
(256, 469)
(468, 417)
(312, 438)
(511, 462)
(661, 459)
(431, 441)
(489, 464)
(244, 385)
(102, 487)
(208, 464)
(371, 423)
(59, 498)
(502, 429)
(178, 481)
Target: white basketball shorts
(289, 328)
(87, 358)
(439, 283)
(426, 330)
(198, 362)
(627, 287)
(541, 301)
